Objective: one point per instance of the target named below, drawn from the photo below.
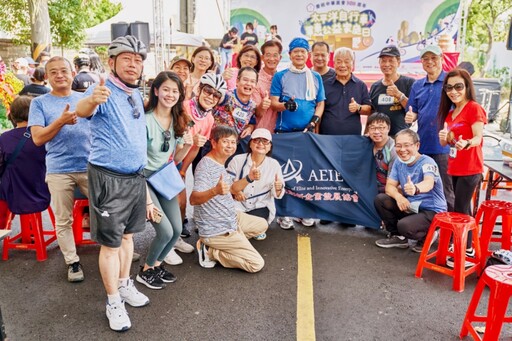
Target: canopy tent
(133, 11)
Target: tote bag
(167, 181)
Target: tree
(487, 23)
(68, 19)
(40, 27)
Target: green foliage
(68, 19)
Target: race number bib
(453, 152)
(385, 99)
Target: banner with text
(327, 177)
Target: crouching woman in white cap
(263, 175)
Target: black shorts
(117, 204)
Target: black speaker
(509, 39)
(119, 29)
(140, 30)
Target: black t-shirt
(227, 39)
(390, 105)
(252, 38)
(83, 80)
(328, 74)
(34, 90)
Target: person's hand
(461, 143)
(149, 211)
(291, 105)
(402, 203)
(101, 93)
(246, 132)
(221, 188)
(240, 196)
(188, 88)
(68, 117)
(392, 90)
(187, 138)
(265, 102)
(353, 106)
(229, 72)
(278, 185)
(410, 116)
(443, 134)
(409, 188)
(199, 140)
(254, 173)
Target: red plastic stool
(490, 210)
(78, 228)
(499, 280)
(31, 237)
(457, 225)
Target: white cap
(261, 133)
(22, 62)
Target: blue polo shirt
(424, 100)
(337, 119)
(285, 85)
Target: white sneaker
(308, 222)
(204, 260)
(183, 246)
(173, 258)
(132, 296)
(118, 319)
(286, 223)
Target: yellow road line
(305, 301)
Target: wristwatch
(248, 179)
(468, 145)
(359, 108)
(417, 190)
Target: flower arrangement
(10, 85)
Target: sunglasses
(458, 87)
(167, 138)
(262, 141)
(209, 91)
(136, 112)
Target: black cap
(391, 51)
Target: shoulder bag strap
(26, 137)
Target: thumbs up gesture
(410, 116)
(392, 90)
(221, 188)
(199, 140)
(101, 93)
(278, 185)
(228, 72)
(353, 106)
(187, 138)
(443, 134)
(254, 173)
(265, 102)
(68, 117)
(409, 188)
(461, 143)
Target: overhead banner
(365, 26)
(327, 177)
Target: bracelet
(248, 179)
(402, 98)
(468, 145)
(151, 203)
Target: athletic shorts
(117, 205)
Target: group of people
(108, 140)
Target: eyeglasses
(262, 141)
(272, 55)
(457, 87)
(249, 56)
(136, 112)
(406, 146)
(167, 138)
(209, 91)
(430, 59)
(248, 80)
(377, 128)
(206, 59)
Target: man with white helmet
(117, 189)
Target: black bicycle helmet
(82, 60)
(127, 44)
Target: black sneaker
(165, 275)
(185, 232)
(450, 262)
(393, 241)
(325, 222)
(150, 278)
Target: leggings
(464, 186)
(167, 231)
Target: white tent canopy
(135, 11)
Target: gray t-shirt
(217, 216)
(68, 151)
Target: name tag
(385, 99)
(453, 152)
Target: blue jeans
(225, 58)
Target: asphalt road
(361, 292)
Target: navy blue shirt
(424, 100)
(337, 119)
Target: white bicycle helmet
(127, 44)
(215, 81)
